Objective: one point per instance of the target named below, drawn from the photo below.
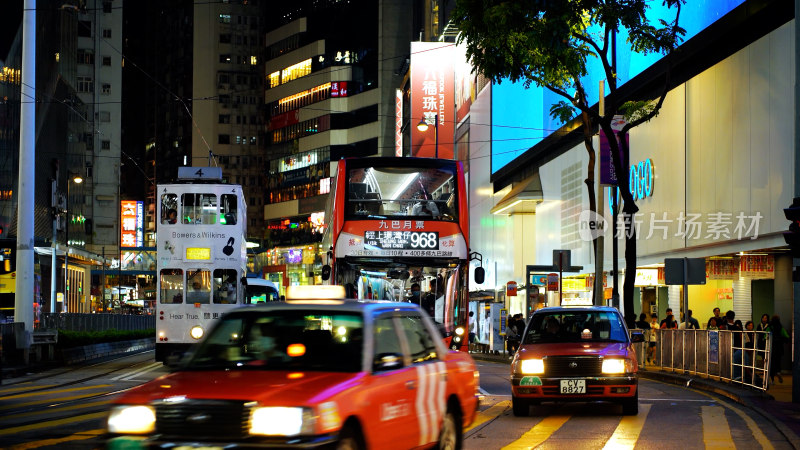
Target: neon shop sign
(641, 179)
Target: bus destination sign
(402, 240)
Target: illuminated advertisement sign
(391, 238)
(518, 128)
(198, 253)
(432, 98)
(132, 223)
(338, 89)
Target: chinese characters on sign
(432, 95)
(132, 223)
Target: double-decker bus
(398, 229)
(201, 257)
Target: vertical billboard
(432, 98)
(132, 223)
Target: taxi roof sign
(315, 293)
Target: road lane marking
(23, 388)
(538, 434)
(58, 391)
(716, 430)
(46, 400)
(75, 437)
(60, 409)
(628, 430)
(489, 414)
(128, 375)
(53, 423)
(757, 433)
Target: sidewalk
(775, 404)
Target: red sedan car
(580, 353)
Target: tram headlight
(129, 419)
(460, 331)
(196, 332)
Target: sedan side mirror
(637, 336)
(480, 274)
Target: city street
(65, 408)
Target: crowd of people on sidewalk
(748, 342)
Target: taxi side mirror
(637, 336)
(387, 361)
(326, 272)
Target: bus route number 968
(424, 240)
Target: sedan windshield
(577, 326)
(283, 340)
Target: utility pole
(795, 261)
(23, 303)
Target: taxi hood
(266, 387)
(606, 349)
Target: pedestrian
(716, 317)
(712, 324)
(669, 323)
(779, 338)
(763, 327)
(749, 341)
(653, 339)
(736, 342)
(642, 323)
(473, 330)
(512, 336)
(691, 323)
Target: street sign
(695, 270)
(552, 282)
(511, 289)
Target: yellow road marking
(628, 430)
(46, 400)
(716, 431)
(59, 391)
(489, 414)
(52, 423)
(61, 409)
(75, 437)
(757, 433)
(22, 388)
(539, 433)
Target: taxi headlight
(614, 366)
(140, 419)
(196, 332)
(460, 331)
(531, 366)
(281, 421)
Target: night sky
(10, 18)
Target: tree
(548, 43)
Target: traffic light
(792, 237)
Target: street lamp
(423, 126)
(77, 179)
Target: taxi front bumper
(596, 388)
(158, 442)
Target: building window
(224, 118)
(253, 140)
(253, 60)
(224, 18)
(105, 116)
(224, 139)
(106, 60)
(225, 59)
(84, 28)
(85, 84)
(107, 7)
(105, 145)
(106, 33)
(106, 89)
(225, 38)
(85, 56)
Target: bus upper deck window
(199, 209)
(228, 209)
(169, 209)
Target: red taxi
(307, 373)
(575, 354)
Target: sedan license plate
(573, 386)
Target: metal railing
(738, 357)
(96, 322)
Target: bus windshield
(395, 192)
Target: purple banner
(607, 173)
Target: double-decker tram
(201, 257)
(398, 229)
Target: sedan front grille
(203, 419)
(572, 366)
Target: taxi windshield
(283, 340)
(577, 326)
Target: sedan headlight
(281, 421)
(531, 366)
(138, 419)
(614, 365)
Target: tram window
(228, 209)
(169, 208)
(198, 286)
(225, 286)
(171, 286)
(200, 209)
